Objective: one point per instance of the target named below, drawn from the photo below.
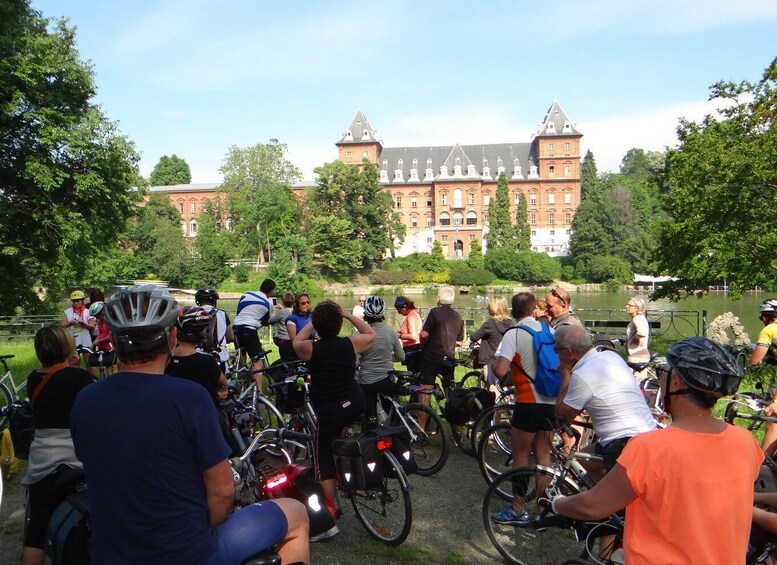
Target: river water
(678, 319)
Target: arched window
(457, 198)
(445, 219)
(472, 219)
(458, 219)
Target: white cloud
(657, 18)
(649, 129)
(173, 113)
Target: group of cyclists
(155, 459)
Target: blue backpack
(547, 379)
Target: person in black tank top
(334, 393)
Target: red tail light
(384, 443)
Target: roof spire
(359, 131)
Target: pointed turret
(359, 141)
(556, 122)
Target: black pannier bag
(413, 356)
(464, 404)
(400, 447)
(358, 462)
(237, 425)
(22, 427)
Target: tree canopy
(169, 171)
(354, 194)
(66, 172)
(501, 232)
(721, 204)
(257, 185)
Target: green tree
(212, 248)
(158, 241)
(589, 176)
(258, 197)
(169, 171)
(501, 232)
(66, 172)
(721, 208)
(437, 263)
(356, 195)
(522, 229)
(476, 259)
(601, 269)
(332, 237)
(635, 164)
(291, 264)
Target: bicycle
(243, 386)
(384, 510)
(429, 444)
(9, 390)
(550, 538)
(501, 411)
(743, 405)
(102, 359)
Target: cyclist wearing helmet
(188, 363)
(208, 299)
(80, 323)
(767, 339)
(375, 363)
(155, 460)
(253, 311)
(103, 340)
(688, 488)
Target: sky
(196, 77)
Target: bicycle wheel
(526, 544)
(302, 453)
(5, 400)
(495, 454)
(430, 447)
(267, 415)
(473, 379)
(385, 511)
(740, 406)
(487, 418)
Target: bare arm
(229, 335)
(563, 410)
(219, 491)
(501, 367)
(767, 520)
(611, 494)
(363, 340)
(758, 354)
(292, 329)
(301, 343)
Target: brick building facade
(444, 192)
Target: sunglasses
(557, 295)
(303, 303)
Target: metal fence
(24, 327)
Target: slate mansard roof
(482, 161)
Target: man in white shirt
(600, 382)
(358, 310)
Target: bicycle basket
(289, 397)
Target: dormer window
(485, 162)
(400, 164)
(499, 162)
(348, 135)
(385, 163)
(429, 162)
(366, 134)
(458, 161)
(415, 163)
(567, 126)
(551, 127)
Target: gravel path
(447, 527)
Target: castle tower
(358, 142)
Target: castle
(443, 193)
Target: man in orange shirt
(687, 489)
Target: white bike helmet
(141, 307)
(96, 307)
(374, 307)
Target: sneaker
(330, 533)
(509, 517)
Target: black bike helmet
(193, 319)
(141, 307)
(206, 295)
(704, 365)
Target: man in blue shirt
(160, 485)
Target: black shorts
(610, 452)
(430, 368)
(43, 499)
(533, 417)
(247, 338)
